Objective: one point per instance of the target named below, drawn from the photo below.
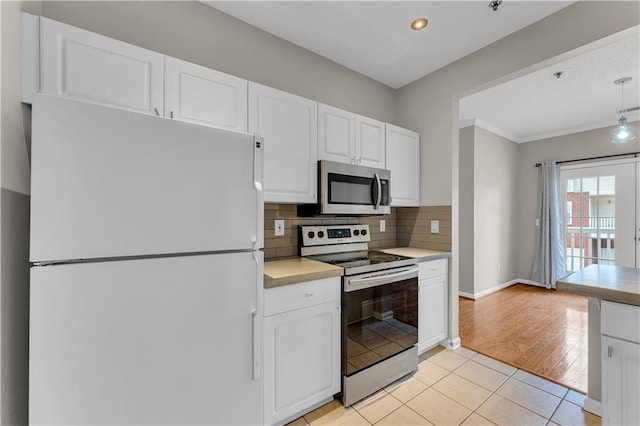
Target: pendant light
(623, 132)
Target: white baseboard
(592, 406)
(533, 283)
(488, 291)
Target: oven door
(380, 317)
(352, 189)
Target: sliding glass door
(601, 208)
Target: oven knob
(363, 232)
(356, 232)
(311, 234)
(320, 234)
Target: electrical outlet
(279, 228)
(537, 222)
(435, 226)
(383, 225)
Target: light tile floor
(461, 387)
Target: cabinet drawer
(621, 321)
(302, 295)
(433, 268)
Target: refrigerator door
(114, 183)
(147, 342)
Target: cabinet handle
(309, 294)
(610, 352)
(171, 114)
(156, 111)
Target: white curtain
(548, 265)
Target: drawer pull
(610, 352)
(308, 294)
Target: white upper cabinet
(289, 124)
(403, 160)
(336, 134)
(204, 96)
(370, 142)
(86, 66)
(349, 138)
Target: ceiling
(539, 105)
(374, 38)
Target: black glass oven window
(344, 189)
(380, 322)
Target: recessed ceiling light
(419, 24)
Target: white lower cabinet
(620, 364)
(433, 302)
(301, 348)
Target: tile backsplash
(287, 245)
(413, 227)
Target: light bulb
(623, 132)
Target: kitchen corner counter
(296, 270)
(614, 283)
(418, 253)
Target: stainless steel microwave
(353, 189)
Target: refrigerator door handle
(255, 327)
(256, 318)
(258, 159)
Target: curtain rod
(635, 154)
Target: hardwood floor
(534, 329)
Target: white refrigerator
(146, 285)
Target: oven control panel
(334, 234)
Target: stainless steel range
(379, 307)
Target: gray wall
(430, 105)
(488, 219)
(467, 236)
(495, 198)
(198, 33)
(14, 224)
(188, 30)
(591, 143)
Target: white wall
(592, 143)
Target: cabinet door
(302, 359)
(204, 96)
(336, 135)
(403, 160)
(370, 142)
(289, 124)
(620, 382)
(86, 66)
(432, 312)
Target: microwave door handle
(379, 187)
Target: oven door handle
(388, 278)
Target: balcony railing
(586, 246)
(602, 222)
